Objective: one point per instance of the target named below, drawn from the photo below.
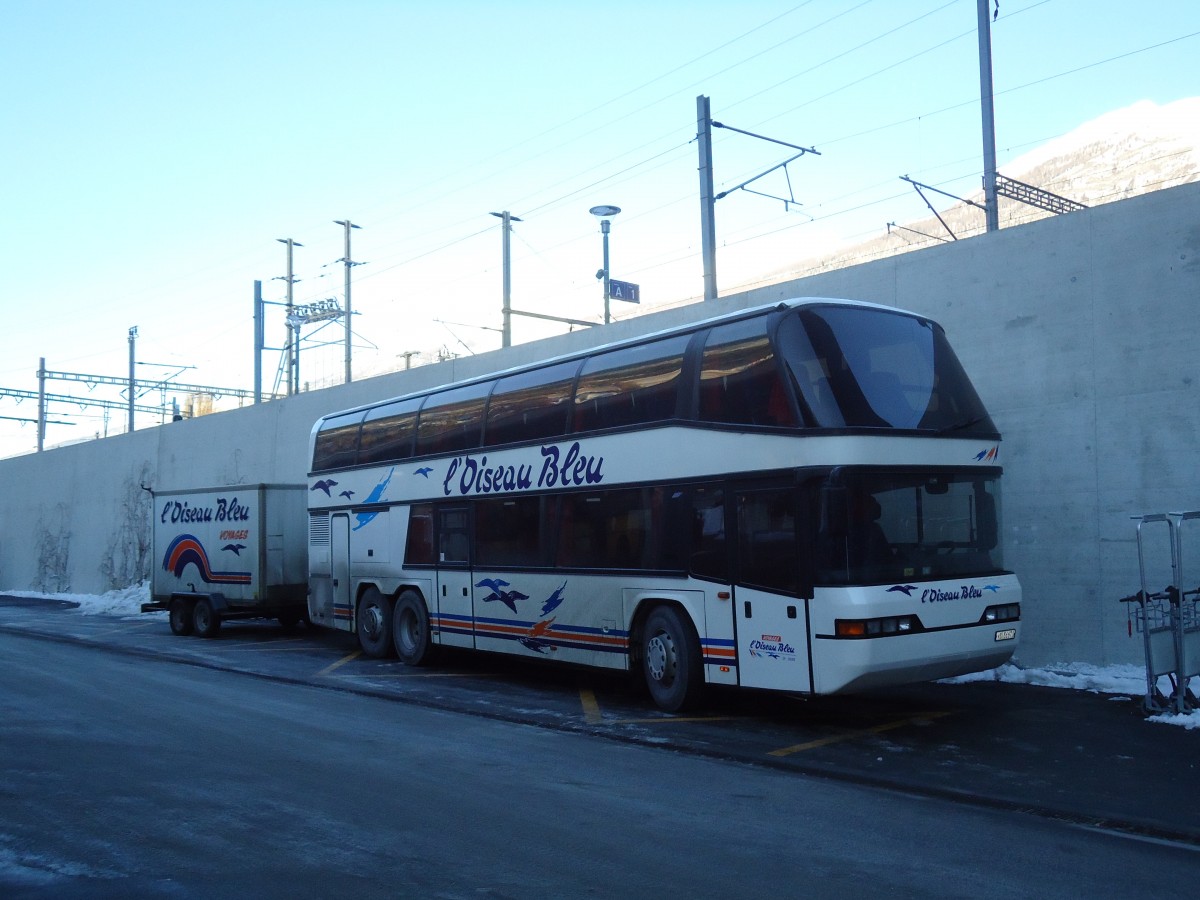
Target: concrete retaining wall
(1081, 332)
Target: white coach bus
(802, 497)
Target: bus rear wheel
(671, 660)
(374, 624)
(410, 630)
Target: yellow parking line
(591, 709)
(408, 673)
(853, 735)
(341, 662)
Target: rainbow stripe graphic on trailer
(186, 548)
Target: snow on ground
(1120, 680)
(124, 602)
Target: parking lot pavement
(1083, 757)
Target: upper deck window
(856, 367)
(531, 406)
(630, 386)
(740, 380)
(388, 432)
(452, 420)
(336, 445)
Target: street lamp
(605, 213)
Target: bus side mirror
(833, 510)
(985, 515)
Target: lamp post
(605, 213)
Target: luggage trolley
(1186, 616)
(1168, 620)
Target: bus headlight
(871, 628)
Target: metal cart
(1168, 620)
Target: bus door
(341, 615)
(455, 613)
(771, 614)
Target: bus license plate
(1007, 634)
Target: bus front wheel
(374, 624)
(671, 660)
(410, 630)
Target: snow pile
(1128, 680)
(123, 602)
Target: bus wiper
(961, 425)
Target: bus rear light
(883, 627)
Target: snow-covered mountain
(1141, 148)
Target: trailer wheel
(374, 624)
(206, 622)
(410, 630)
(671, 660)
(180, 617)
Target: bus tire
(671, 660)
(410, 630)
(206, 621)
(180, 617)
(374, 624)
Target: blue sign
(623, 290)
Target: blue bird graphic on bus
(498, 594)
(905, 589)
(424, 470)
(376, 495)
(324, 485)
(236, 549)
(554, 600)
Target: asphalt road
(123, 772)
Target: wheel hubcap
(374, 621)
(660, 657)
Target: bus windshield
(878, 527)
(862, 367)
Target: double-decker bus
(801, 497)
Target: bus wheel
(671, 660)
(181, 617)
(205, 620)
(410, 630)
(375, 624)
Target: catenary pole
(987, 109)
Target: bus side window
(710, 555)
(418, 550)
(768, 554)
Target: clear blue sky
(154, 152)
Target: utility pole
(506, 219)
(132, 378)
(987, 109)
(708, 218)
(293, 330)
(259, 340)
(41, 428)
(347, 224)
